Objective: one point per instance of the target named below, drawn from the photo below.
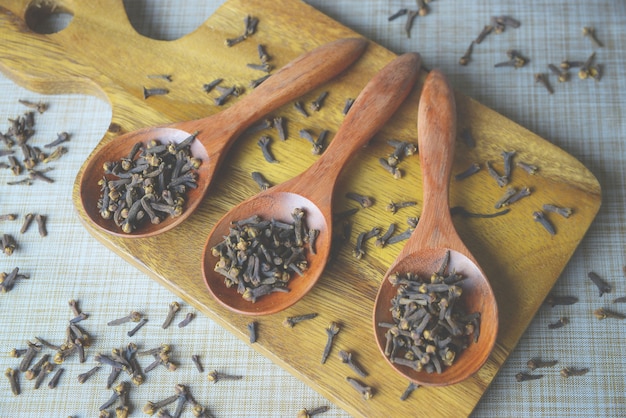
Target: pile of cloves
(149, 184)
(20, 131)
(260, 256)
(430, 327)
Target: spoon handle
(299, 76)
(380, 98)
(436, 131)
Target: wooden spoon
(312, 190)
(218, 132)
(435, 236)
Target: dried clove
(264, 144)
(133, 316)
(382, 240)
(291, 321)
(346, 357)
(61, 138)
(365, 391)
(82, 378)
(410, 18)
(331, 331)
(534, 364)
(151, 408)
(41, 224)
(516, 60)
(12, 374)
(601, 284)
(539, 216)
(279, 124)
(409, 389)
(316, 105)
(502, 180)
(8, 244)
(564, 212)
(554, 300)
(214, 376)
(523, 377)
(308, 413)
(260, 180)
(54, 381)
(300, 108)
(394, 207)
(603, 313)
(590, 33)
(560, 323)
(154, 92)
(173, 308)
(347, 106)
(140, 324)
(188, 318)
(252, 326)
(569, 371)
(529, 168)
(543, 79)
(471, 170)
(562, 75)
(364, 201)
(487, 29)
(208, 87)
(464, 60)
(397, 14)
(394, 171)
(196, 361)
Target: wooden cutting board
(100, 53)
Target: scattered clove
(291, 321)
(173, 308)
(364, 201)
(346, 357)
(523, 377)
(331, 331)
(560, 323)
(601, 284)
(534, 364)
(133, 316)
(554, 300)
(214, 376)
(603, 313)
(365, 391)
(252, 326)
(409, 389)
(568, 372)
(188, 318)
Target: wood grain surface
(100, 53)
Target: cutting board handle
(54, 63)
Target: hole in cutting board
(167, 20)
(47, 17)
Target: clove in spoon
(216, 133)
(312, 190)
(435, 235)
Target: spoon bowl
(216, 133)
(435, 238)
(312, 190)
